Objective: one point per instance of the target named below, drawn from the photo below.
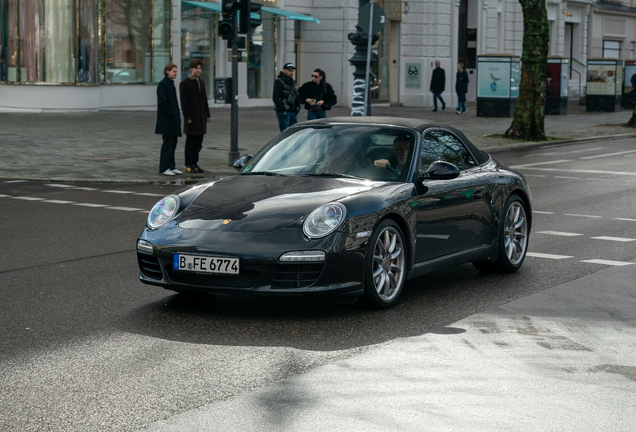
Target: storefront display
(604, 84)
(556, 94)
(497, 85)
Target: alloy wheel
(388, 263)
(516, 233)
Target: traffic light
(226, 26)
(246, 22)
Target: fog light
(144, 246)
(304, 256)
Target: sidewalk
(122, 147)
(562, 359)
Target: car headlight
(163, 211)
(324, 220)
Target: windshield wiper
(331, 174)
(267, 173)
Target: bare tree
(632, 121)
(528, 121)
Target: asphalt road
(85, 346)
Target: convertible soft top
(417, 124)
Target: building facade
(109, 54)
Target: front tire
(385, 266)
(513, 238)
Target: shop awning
(216, 7)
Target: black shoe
(443, 106)
(191, 170)
(199, 170)
(435, 110)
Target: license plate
(206, 264)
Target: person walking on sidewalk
(461, 87)
(196, 114)
(438, 85)
(317, 95)
(286, 97)
(168, 120)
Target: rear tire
(385, 270)
(513, 239)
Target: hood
(254, 203)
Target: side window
(440, 145)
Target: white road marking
(151, 194)
(607, 262)
(536, 175)
(28, 198)
(58, 185)
(559, 233)
(580, 215)
(548, 256)
(618, 239)
(118, 191)
(91, 205)
(16, 181)
(577, 171)
(608, 154)
(124, 208)
(541, 163)
(625, 219)
(564, 153)
(5, 196)
(541, 212)
(86, 188)
(59, 202)
(566, 177)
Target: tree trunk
(528, 121)
(632, 121)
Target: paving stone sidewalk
(121, 146)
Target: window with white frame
(611, 49)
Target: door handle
(478, 194)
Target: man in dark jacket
(286, 97)
(196, 114)
(168, 120)
(438, 85)
(461, 87)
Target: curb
(556, 143)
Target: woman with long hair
(317, 95)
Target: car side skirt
(469, 255)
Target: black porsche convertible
(341, 208)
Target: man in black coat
(168, 120)
(196, 114)
(286, 97)
(438, 85)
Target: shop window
(611, 49)
(261, 58)
(198, 40)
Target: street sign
(379, 18)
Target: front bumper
(340, 275)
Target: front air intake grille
(247, 279)
(149, 266)
(297, 275)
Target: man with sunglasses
(286, 97)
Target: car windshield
(369, 152)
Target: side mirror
(441, 170)
(242, 161)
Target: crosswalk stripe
(118, 191)
(608, 262)
(58, 201)
(124, 208)
(548, 256)
(618, 239)
(28, 198)
(625, 219)
(541, 212)
(58, 185)
(580, 215)
(90, 205)
(558, 233)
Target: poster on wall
(412, 76)
(493, 78)
(601, 78)
(630, 78)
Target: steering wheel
(393, 170)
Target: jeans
(313, 115)
(193, 146)
(438, 96)
(286, 120)
(166, 159)
(461, 107)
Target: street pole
(360, 103)
(234, 153)
(367, 89)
